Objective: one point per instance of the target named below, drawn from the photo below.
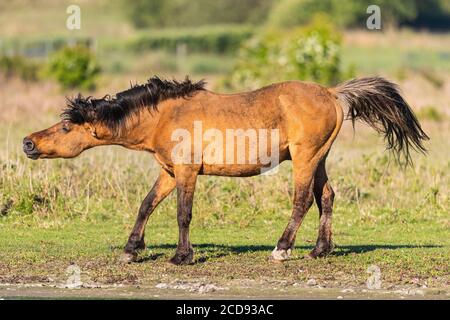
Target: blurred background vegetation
(240, 44)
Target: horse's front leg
(186, 178)
(162, 187)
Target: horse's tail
(379, 103)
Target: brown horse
(183, 126)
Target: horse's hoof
(182, 259)
(310, 256)
(271, 259)
(127, 257)
(321, 250)
(280, 255)
(319, 253)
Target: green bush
(217, 39)
(311, 53)
(74, 67)
(18, 66)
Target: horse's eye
(65, 129)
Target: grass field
(57, 213)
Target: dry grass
(401, 40)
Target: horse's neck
(139, 131)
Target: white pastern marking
(281, 255)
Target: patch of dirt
(202, 289)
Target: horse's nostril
(28, 145)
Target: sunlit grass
(81, 210)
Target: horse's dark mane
(114, 111)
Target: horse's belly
(243, 170)
(236, 170)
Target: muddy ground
(200, 289)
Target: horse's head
(65, 139)
(89, 122)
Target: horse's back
(297, 108)
(294, 112)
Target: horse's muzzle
(30, 149)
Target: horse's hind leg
(304, 165)
(324, 196)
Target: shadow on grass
(219, 250)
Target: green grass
(81, 211)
